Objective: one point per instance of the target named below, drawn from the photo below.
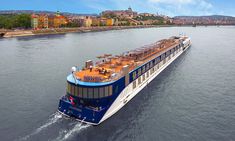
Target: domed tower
(129, 9)
(57, 13)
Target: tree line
(15, 21)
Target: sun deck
(110, 67)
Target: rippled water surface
(193, 99)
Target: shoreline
(55, 31)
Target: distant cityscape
(47, 19)
(14, 23)
(40, 20)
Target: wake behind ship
(99, 90)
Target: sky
(166, 7)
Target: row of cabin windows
(139, 79)
(145, 68)
(149, 65)
(83, 92)
(144, 76)
(147, 74)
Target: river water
(193, 99)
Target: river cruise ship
(98, 90)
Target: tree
(15, 21)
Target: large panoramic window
(68, 88)
(76, 91)
(110, 90)
(143, 69)
(147, 66)
(90, 93)
(134, 75)
(96, 92)
(139, 72)
(106, 91)
(151, 64)
(84, 91)
(101, 92)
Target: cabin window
(147, 66)
(168, 53)
(151, 71)
(155, 62)
(134, 84)
(134, 75)
(147, 74)
(143, 77)
(151, 64)
(106, 91)
(90, 92)
(158, 59)
(96, 92)
(143, 69)
(139, 80)
(84, 91)
(162, 56)
(139, 72)
(101, 92)
(110, 90)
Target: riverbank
(20, 33)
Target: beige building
(95, 21)
(42, 21)
(87, 22)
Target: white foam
(54, 118)
(65, 134)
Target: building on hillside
(95, 21)
(121, 23)
(75, 20)
(34, 21)
(102, 22)
(87, 21)
(133, 22)
(56, 21)
(109, 22)
(146, 14)
(42, 21)
(119, 13)
(150, 22)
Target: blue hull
(81, 113)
